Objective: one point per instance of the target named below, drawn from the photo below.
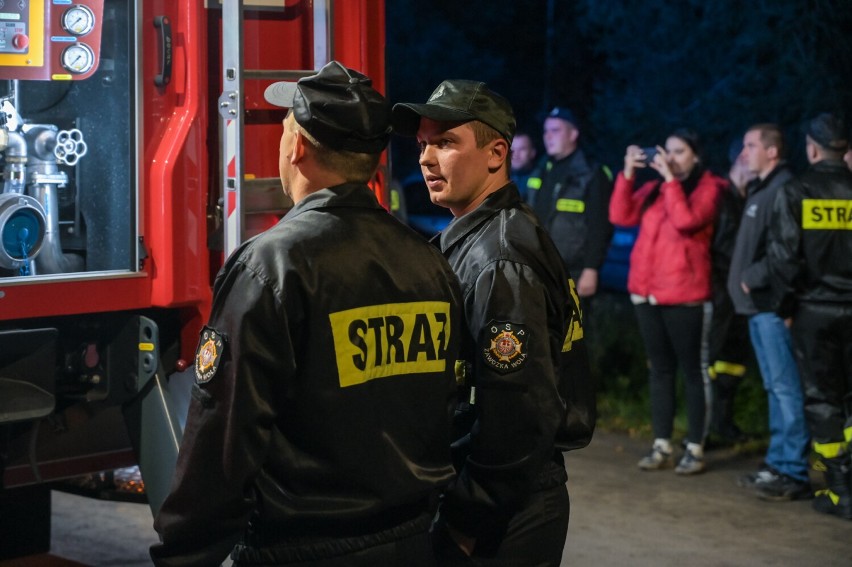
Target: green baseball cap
(457, 100)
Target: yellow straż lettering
(827, 214)
(378, 341)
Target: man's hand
(587, 285)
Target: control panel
(50, 40)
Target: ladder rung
(276, 74)
(261, 182)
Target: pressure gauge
(78, 58)
(78, 20)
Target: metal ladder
(236, 187)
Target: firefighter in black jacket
(526, 395)
(570, 194)
(810, 259)
(319, 428)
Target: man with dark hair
(784, 475)
(525, 394)
(570, 194)
(319, 427)
(810, 260)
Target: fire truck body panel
(125, 183)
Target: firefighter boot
(725, 431)
(836, 498)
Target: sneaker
(784, 488)
(655, 460)
(690, 464)
(763, 475)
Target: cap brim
(281, 94)
(405, 117)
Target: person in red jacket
(669, 281)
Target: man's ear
(299, 144)
(498, 154)
(573, 134)
(772, 152)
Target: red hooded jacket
(671, 258)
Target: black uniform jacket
(325, 387)
(527, 392)
(810, 243)
(571, 197)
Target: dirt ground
(619, 516)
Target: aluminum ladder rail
(236, 187)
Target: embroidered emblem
(439, 92)
(209, 354)
(505, 346)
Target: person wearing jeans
(788, 436)
(784, 473)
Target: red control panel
(50, 40)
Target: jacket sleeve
(689, 215)
(600, 228)
(783, 249)
(228, 427)
(625, 206)
(518, 410)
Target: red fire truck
(137, 152)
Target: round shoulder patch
(209, 354)
(505, 346)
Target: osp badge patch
(209, 354)
(505, 346)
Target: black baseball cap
(338, 107)
(458, 100)
(829, 131)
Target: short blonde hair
(353, 166)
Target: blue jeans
(789, 441)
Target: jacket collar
(458, 229)
(757, 184)
(356, 195)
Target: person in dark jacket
(810, 261)
(319, 427)
(525, 393)
(669, 281)
(570, 194)
(727, 342)
(784, 474)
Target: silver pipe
(16, 160)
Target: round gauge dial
(78, 20)
(78, 58)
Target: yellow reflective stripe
(826, 492)
(827, 214)
(575, 327)
(391, 339)
(731, 368)
(394, 200)
(607, 171)
(534, 183)
(570, 206)
(831, 450)
(847, 434)
(147, 347)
